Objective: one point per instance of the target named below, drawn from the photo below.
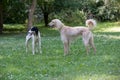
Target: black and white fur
(34, 34)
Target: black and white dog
(34, 34)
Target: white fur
(36, 40)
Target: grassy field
(15, 64)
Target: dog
(69, 33)
(34, 34)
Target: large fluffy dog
(69, 33)
(34, 34)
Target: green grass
(15, 64)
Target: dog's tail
(91, 23)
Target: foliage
(66, 4)
(14, 11)
(77, 17)
(1, 16)
(46, 7)
(109, 12)
(17, 11)
(15, 64)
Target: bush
(70, 17)
(106, 13)
(14, 12)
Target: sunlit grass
(1, 57)
(108, 27)
(114, 29)
(97, 77)
(13, 26)
(15, 64)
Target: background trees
(1, 16)
(47, 7)
(109, 10)
(16, 11)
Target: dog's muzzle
(51, 25)
(29, 35)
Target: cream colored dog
(69, 33)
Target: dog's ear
(36, 31)
(55, 23)
(58, 23)
(33, 30)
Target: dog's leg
(91, 42)
(33, 44)
(28, 37)
(66, 48)
(36, 45)
(26, 45)
(85, 38)
(39, 45)
(87, 47)
(65, 43)
(39, 42)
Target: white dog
(69, 33)
(34, 34)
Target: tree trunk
(46, 19)
(30, 14)
(106, 2)
(1, 17)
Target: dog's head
(56, 23)
(33, 30)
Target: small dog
(69, 33)
(34, 34)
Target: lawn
(16, 64)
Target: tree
(30, 14)
(106, 2)
(1, 17)
(46, 7)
